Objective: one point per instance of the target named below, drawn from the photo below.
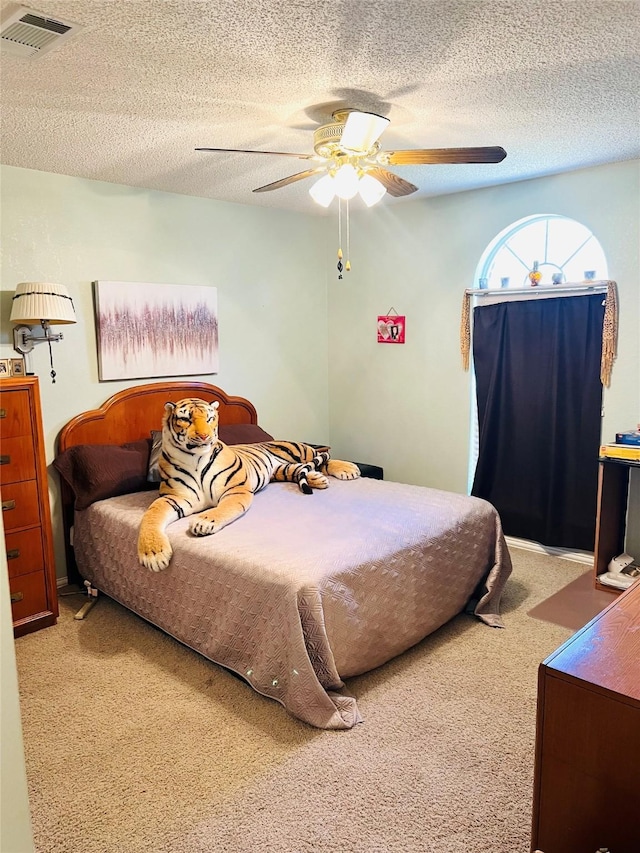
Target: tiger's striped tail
(321, 458)
(301, 477)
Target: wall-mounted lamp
(44, 303)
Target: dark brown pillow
(242, 434)
(228, 433)
(98, 471)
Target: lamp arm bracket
(24, 341)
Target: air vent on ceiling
(27, 33)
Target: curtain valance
(609, 326)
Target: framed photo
(5, 367)
(17, 367)
(146, 330)
(391, 328)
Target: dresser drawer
(20, 505)
(28, 595)
(15, 417)
(17, 459)
(24, 552)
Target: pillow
(98, 471)
(228, 433)
(242, 434)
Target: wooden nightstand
(25, 507)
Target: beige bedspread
(307, 590)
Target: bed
(302, 592)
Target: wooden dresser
(25, 507)
(587, 772)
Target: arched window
(561, 246)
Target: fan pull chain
(347, 265)
(340, 266)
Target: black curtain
(537, 366)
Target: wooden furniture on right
(613, 492)
(587, 770)
(25, 507)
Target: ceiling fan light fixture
(370, 189)
(346, 182)
(323, 191)
(362, 131)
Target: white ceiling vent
(27, 33)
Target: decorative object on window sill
(556, 278)
(504, 282)
(391, 327)
(535, 276)
(589, 275)
(146, 330)
(609, 325)
(40, 302)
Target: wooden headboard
(130, 415)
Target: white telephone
(619, 563)
(621, 572)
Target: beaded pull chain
(340, 265)
(53, 373)
(347, 264)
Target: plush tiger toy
(200, 474)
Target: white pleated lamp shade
(35, 301)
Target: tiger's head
(191, 423)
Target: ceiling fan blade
(284, 182)
(245, 151)
(393, 184)
(362, 131)
(427, 156)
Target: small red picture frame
(391, 328)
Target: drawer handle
(5, 459)
(13, 554)
(16, 596)
(3, 413)
(8, 505)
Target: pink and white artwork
(146, 330)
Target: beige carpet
(134, 743)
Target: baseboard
(60, 582)
(585, 557)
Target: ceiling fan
(350, 158)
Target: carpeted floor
(134, 743)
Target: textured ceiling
(128, 98)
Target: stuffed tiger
(200, 475)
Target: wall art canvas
(391, 328)
(149, 330)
